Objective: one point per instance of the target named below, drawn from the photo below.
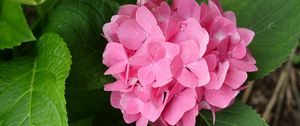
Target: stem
(281, 82)
(248, 91)
(294, 87)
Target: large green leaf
(277, 27)
(80, 22)
(13, 27)
(238, 114)
(32, 89)
(30, 2)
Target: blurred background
(276, 97)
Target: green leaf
(238, 114)
(30, 2)
(296, 59)
(277, 27)
(13, 27)
(80, 23)
(32, 89)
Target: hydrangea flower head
(169, 62)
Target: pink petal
(161, 83)
(131, 35)
(115, 98)
(204, 105)
(220, 98)
(127, 72)
(235, 78)
(174, 91)
(127, 10)
(157, 34)
(231, 16)
(246, 64)
(156, 51)
(143, 49)
(110, 31)
(163, 12)
(151, 112)
(187, 79)
(246, 35)
(142, 2)
(213, 3)
(146, 75)
(214, 83)
(189, 118)
(203, 44)
(176, 66)
(171, 27)
(158, 96)
(116, 68)
(199, 91)
(133, 72)
(223, 48)
(215, 6)
(217, 79)
(204, 13)
(130, 118)
(172, 50)
(222, 28)
(192, 30)
(235, 38)
(139, 60)
(114, 53)
(189, 51)
(249, 58)
(185, 7)
(198, 33)
(130, 103)
(208, 14)
(160, 122)
(119, 19)
(243, 66)
(200, 69)
(142, 92)
(180, 104)
(115, 19)
(145, 18)
(238, 50)
(162, 72)
(118, 85)
(197, 13)
(212, 61)
(142, 121)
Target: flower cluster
(171, 61)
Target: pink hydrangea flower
(169, 62)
